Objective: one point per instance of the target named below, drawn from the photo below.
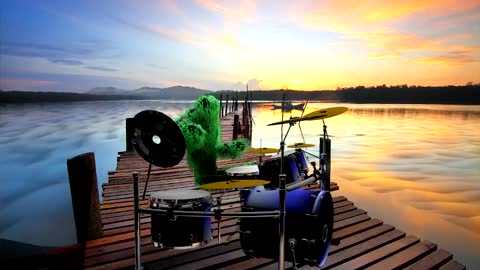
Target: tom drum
(180, 232)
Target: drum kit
(182, 218)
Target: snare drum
(243, 172)
(271, 169)
(309, 223)
(180, 232)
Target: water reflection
(415, 166)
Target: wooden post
(236, 126)
(129, 129)
(226, 105)
(221, 106)
(82, 175)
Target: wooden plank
(357, 228)
(360, 237)
(362, 248)
(406, 257)
(349, 222)
(379, 254)
(453, 265)
(432, 261)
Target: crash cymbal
(158, 139)
(263, 150)
(319, 114)
(300, 145)
(325, 113)
(235, 184)
(291, 120)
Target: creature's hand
(194, 135)
(233, 149)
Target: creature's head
(206, 111)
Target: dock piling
(82, 176)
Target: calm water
(414, 166)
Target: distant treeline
(34, 97)
(277, 95)
(469, 94)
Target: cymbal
(325, 113)
(158, 139)
(319, 114)
(263, 150)
(235, 184)
(300, 145)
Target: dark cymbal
(158, 139)
(316, 115)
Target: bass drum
(308, 224)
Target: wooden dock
(365, 242)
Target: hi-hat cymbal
(300, 145)
(319, 114)
(263, 150)
(235, 184)
(158, 139)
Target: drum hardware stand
(218, 217)
(136, 204)
(146, 182)
(282, 178)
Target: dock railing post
(82, 176)
(129, 129)
(221, 106)
(226, 105)
(236, 126)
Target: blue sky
(78, 45)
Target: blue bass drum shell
(309, 222)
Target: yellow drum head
(300, 145)
(244, 183)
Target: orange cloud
(453, 58)
(384, 55)
(176, 35)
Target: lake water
(414, 166)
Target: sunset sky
(310, 45)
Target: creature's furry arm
(194, 133)
(233, 149)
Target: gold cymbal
(263, 150)
(325, 113)
(300, 145)
(235, 184)
(319, 114)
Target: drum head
(243, 170)
(158, 139)
(180, 194)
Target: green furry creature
(201, 128)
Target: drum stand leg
(138, 252)
(218, 218)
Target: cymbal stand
(325, 183)
(282, 178)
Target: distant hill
(36, 97)
(175, 92)
(107, 91)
